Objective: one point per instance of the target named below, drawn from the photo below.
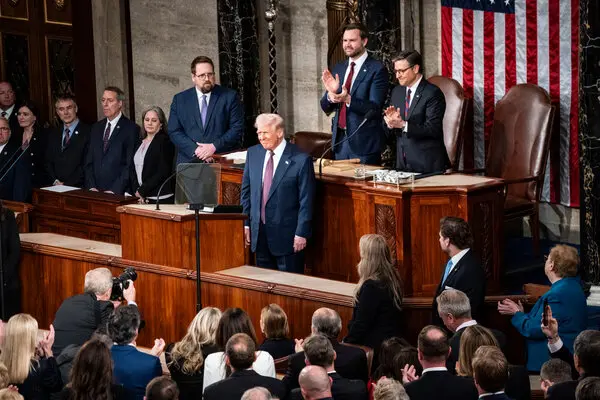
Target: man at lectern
(278, 190)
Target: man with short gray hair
(257, 393)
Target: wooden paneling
(58, 11)
(14, 9)
(22, 214)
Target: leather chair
(368, 351)
(454, 117)
(313, 143)
(518, 151)
(281, 364)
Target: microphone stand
(197, 207)
(2, 307)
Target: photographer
(79, 316)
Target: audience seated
(389, 389)
(436, 382)
(314, 383)
(240, 356)
(565, 297)
(490, 372)
(318, 350)
(274, 325)
(454, 309)
(8, 153)
(257, 393)
(31, 365)
(92, 375)
(377, 297)
(10, 394)
(132, 368)
(162, 388)
(185, 359)
(351, 362)
(554, 371)
(392, 359)
(234, 320)
(588, 389)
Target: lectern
(166, 237)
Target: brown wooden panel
(14, 9)
(58, 11)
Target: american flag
(491, 45)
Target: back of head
(433, 345)
(274, 322)
(490, 369)
(123, 324)
(98, 281)
(18, 346)
(327, 322)
(318, 350)
(458, 231)
(234, 320)
(472, 339)
(454, 302)
(10, 394)
(565, 260)
(92, 371)
(556, 371)
(389, 389)
(586, 350)
(162, 388)
(388, 353)
(407, 355)
(240, 349)
(314, 382)
(257, 393)
(588, 389)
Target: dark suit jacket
(278, 348)
(42, 381)
(455, 346)
(564, 354)
(289, 209)
(189, 385)
(16, 133)
(564, 390)
(239, 381)
(110, 170)
(134, 369)
(11, 250)
(441, 385)
(500, 396)
(224, 122)
(468, 277)
(77, 318)
(518, 386)
(30, 170)
(67, 165)
(350, 362)
(158, 166)
(368, 92)
(341, 389)
(8, 155)
(423, 143)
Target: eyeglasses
(401, 71)
(208, 75)
(3, 129)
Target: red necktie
(267, 181)
(347, 84)
(407, 104)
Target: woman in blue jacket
(565, 297)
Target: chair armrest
(520, 180)
(471, 171)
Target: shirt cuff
(405, 129)
(131, 303)
(246, 228)
(556, 346)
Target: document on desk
(239, 157)
(60, 188)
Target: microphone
(194, 161)
(369, 115)
(14, 162)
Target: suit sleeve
(157, 367)
(528, 324)
(232, 138)
(88, 168)
(177, 134)
(377, 94)
(165, 163)
(564, 354)
(246, 190)
(474, 288)
(434, 116)
(51, 378)
(365, 314)
(326, 106)
(290, 379)
(307, 197)
(14, 245)
(121, 184)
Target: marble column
(238, 57)
(589, 139)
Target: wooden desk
(22, 214)
(79, 213)
(407, 216)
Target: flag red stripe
(468, 52)
(511, 51)
(554, 89)
(488, 74)
(447, 41)
(574, 138)
(532, 52)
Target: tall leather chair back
(313, 143)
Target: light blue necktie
(203, 110)
(447, 271)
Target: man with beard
(207, 118)
(355, 87)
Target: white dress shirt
(358, 63)
(112, 124)
(2, 146)
(277, 153)
(214, 367)
(466, 324)
(413, 90)
(8, 111)
(432, 369)
(199, 94)
(456, 258)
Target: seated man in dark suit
(8, 154)
(67, 145)
(315, 384)
(490, 372)
(319, 351)
(162, 388)
(463, 271)
(133, 369)
(436, 382)
(350, 362)
(240, 354)
(112, 144)
(588, 389)
(554, 371)
(257, 393)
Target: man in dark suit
(463, 271)
(67, 145)
(350, 362)
(207, 118)
(553, 372)
(240, 354)
(112, 145)
(133, 369)
(8, 153)
(9, 109)
(415, 116)
(278, 189)
(490, 373)
(315, 383)
(588, 389)
(436, 382)
(364, 88)
(318, 350)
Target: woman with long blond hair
(377, 297)
(31, 366)
(185, 359)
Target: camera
(122, 282)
